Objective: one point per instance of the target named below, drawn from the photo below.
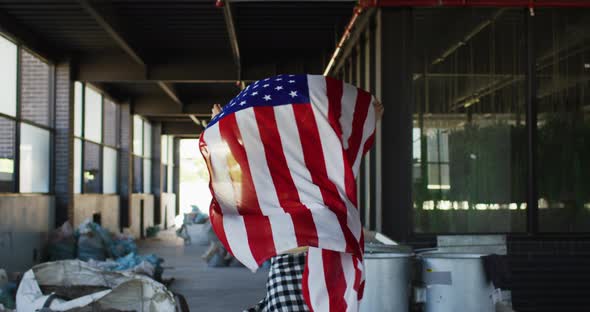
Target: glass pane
(78, 108)
(165, 179)
(93, 115)
(170, 150)
(469, 137)
(8, 55)
(109, 166)
(7, 142)
(563, 94)
(34, 159)
(34, 95)
(147, 139)
(137, 174)
(147, 175)
(92, 174)
(77, 166)
(164, 149)
(137, 135)
(110, 122)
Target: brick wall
(34, 90)
(64, 143)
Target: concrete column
(157, 171)
(64, 143)
(395, 91)
(125, 163)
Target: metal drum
(387, 278)
(456, 282)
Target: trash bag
(91, 246)
(122, 246)
(62, 243)
(72, 284)
(7, 294)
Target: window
(34, 159)
(142, 159)
(24, 106)
(77, 166)
(469, 137)
(137, 135)
(92, 115)
(8, 69)
(563, 119)
(92, 168)
(34, 86)
(7, 141)
(167, 162)
(109, 166)
(78, 105)
(96, 128)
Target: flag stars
(242, 103)
(291, 81)
(279, 88)
(255, 93)
(278, 79)
(267, 98)
(293, 94)
(266, 85)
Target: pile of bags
(7, 292)
(73, 285)
(101, 249)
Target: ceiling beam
(187, 128)
(107, 23)
(164, 106)
(116, 67)
(233, 38)
(168, 88)
(24, 36)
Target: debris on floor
(74, 284)
(7, 292)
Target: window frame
(18, 120)
(101, 144)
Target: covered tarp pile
(102, 249)
(73, 285)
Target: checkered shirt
(283, 287)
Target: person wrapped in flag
(283, 156)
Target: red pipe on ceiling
(364, 4)
(475, 3)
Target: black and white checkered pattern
(283, 287)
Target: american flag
(283, 157)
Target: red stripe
(215, 214)
(305, 229)
(363, 101)
(315, 162)
(258, 227)
(305, 284)
(335, 280)
(334, 92)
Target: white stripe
(368, 190)
(350, 295)
(233, 223)
(334, 158)
(330, 234)
(368, 128)
(283, 231)
(349, 94)
(318, 290)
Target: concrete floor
(205, 289)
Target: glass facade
(92, 115)
(469, 136)
(563, 118)
(109, 165)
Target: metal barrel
(387, 279)
(456, 282)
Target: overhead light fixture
(471, 102)
(587, 65)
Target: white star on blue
(274, 94)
